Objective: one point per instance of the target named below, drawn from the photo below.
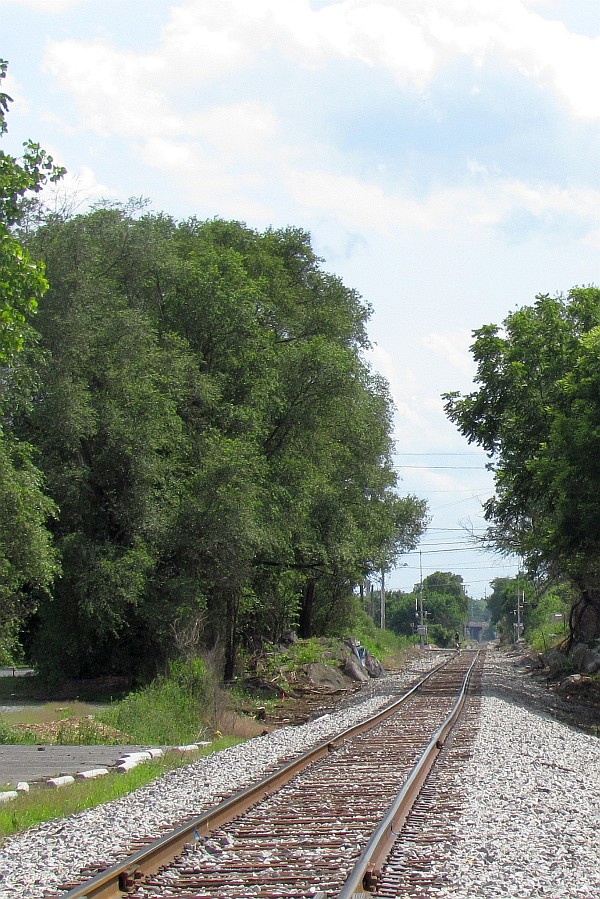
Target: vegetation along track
(314, 825)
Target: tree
(218, 447)
(27, 560)
(22, 280)
(536, 412)
(445, 605)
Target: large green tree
(219, 449)
(536, 411)
(443, 600)
(27, 560)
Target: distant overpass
(475, 629)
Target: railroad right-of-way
(513, 811)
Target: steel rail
(122, 877)
(364, 877)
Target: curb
(125, 763)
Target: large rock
(373, 666)
(324, 677)
(555, 662)
(355, 670)
(585, 659)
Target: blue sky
(442, 153)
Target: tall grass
(181, 707)
(385, 645)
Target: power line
(463, 530)
(436, 454)
(446, 543)
(445, 467)
(460, 490)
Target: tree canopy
(536, 411)
(22, 280)
(445, 607)
(216, 444)
(28, 561)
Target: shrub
(172, 709)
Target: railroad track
(319, 827)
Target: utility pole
(519, 610)
(382, 615)
(422, 629)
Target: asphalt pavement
(35, 764)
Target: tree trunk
(584, 620)
(305, 621)
(231, 634)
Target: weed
(172, 709)
(11, 735)
(86, 732)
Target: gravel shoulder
(529, 828)
(530, 824)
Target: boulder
(585, 659)
(327, 678)
(373, 666)
(353, 644)
(289, 638)
(555, 662)
(354, 669)
(530, 660)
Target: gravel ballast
(532, 793)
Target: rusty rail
(121, 878)
(365, 875)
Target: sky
(443, 155)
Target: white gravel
(40, 859)
(531, 825)
(531, 791)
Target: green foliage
(277, 663)
(384, 644)
(7, 733)
(27, 559)
(82, 732)
(547, 622)
(217, 445)
(537, 413)
(173, 709)
(445, 607)
(306, 651)
(22, 280)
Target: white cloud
(204, 40)
(77, 189)
(117, 92)
(239, 147)
(452, 348)
(208, 183)
(411, 40)
(404, 387)
(20, 104)
(358, 204)
(52, 6)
